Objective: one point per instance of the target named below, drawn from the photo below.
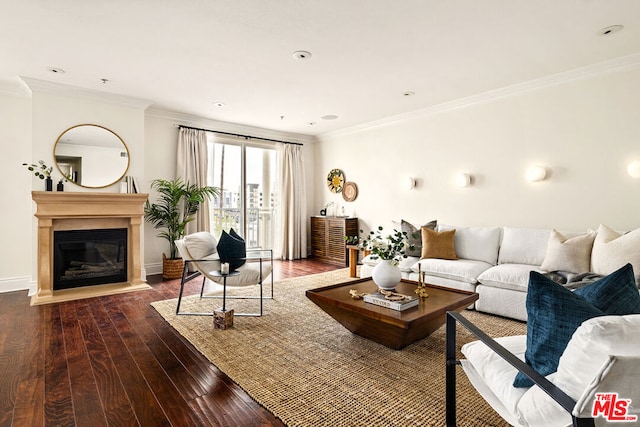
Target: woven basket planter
(172, 268)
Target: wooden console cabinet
(327, 237)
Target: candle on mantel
(224, 268)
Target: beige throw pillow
(612, 250)
(438, 244)
(573, 255)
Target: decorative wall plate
(335, 180)
(350, 191)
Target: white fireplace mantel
(82, 211)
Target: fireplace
(89, 257)
(89, 244)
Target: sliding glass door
(246, 175)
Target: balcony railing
(260, 227)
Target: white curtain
(293, 217)
(191, 167)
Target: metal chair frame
(547, 386)
(188, 276)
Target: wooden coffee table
(394, 329)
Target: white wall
(16, 183)
(586, 131)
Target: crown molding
(196, 121)
(36, 85)
(577, 74)
(15, 88)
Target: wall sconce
(634, 169)
(463, 180)
(535, 173)
(410, 183)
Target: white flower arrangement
(389, 247)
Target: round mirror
(91, 156)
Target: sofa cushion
(232, 250)
(553, 315)
(614, 294)
(437, 244)
(200, 244)
(479, 243)
(564, 254)
(523, 245)
(508, 276)
(611, 250)
(464, 270)
(414, 235)
(588, 349)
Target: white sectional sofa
(495, 262)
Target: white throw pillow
(477, 243)
(573, 255)
(586, 352)
(523, 245)
(200, 244)
(612, 250)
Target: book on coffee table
(379, 299)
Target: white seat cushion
(495, 372)
(249, 274)
(464, 270)
(508, 276)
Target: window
(246, 174)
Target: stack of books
(379, 299)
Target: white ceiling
(184, 55)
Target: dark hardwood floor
(113, 361)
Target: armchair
(200, 257)
(602, 359)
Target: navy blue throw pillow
(233, 233)
(231, 250)
(554, 313)
(615, 294)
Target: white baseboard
(12, 284)
(154, 268)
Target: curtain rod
(237, 134)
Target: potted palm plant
(176, 206)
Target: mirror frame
(106, 129)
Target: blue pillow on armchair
(554, 313)
(231, 250)
(615, 294)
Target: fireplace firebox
(89, 257)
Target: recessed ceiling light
(607, 31)
(302, 55)
(218, 103)
(408, 93)
(55, 70)
(329, 117)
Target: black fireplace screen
(89, 257)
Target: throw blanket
(572, 281)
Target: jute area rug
(308, 370)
